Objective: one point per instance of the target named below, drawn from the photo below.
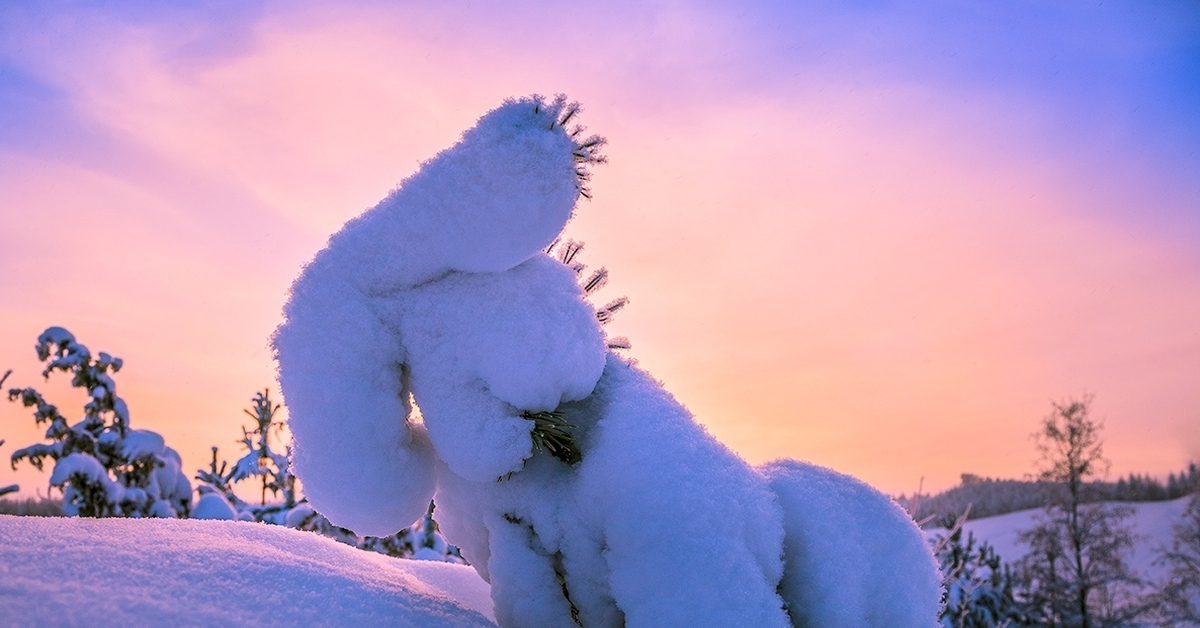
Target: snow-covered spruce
(443, 294)
(104, 467)
(978, 584)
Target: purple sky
(878, 237)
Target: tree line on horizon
(990, 497)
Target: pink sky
(862, 245)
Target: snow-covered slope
(1151, 522)
(70, 571)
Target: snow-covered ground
(73, 571)
(1151, 522)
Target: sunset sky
(876, 237)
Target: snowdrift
(72, 571)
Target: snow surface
(1151, 523)
(144, 572)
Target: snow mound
(72, 571)
(853, 557)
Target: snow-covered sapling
(614, 507)
(978, 584)
(103, 466)
(261, 460)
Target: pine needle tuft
(552, 433)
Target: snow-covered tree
(615, 507)
(103, 466)
(978, 585)
(1075, 574)
(421, 541)
(1177, 602)
(261, 461)
(216, 498)
(264, 462)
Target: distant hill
(1151, 524)
(989, 497)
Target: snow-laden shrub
(272, 469)
(103, 466)
(261, 461)
(978, 585)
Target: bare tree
(1075, 573)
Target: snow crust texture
(150, 572)
(443, 295)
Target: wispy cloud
(881, 237)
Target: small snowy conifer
(104, 468)
(978, 586)
(420, 540)
(260, 460)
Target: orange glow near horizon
(894, 280)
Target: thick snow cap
(493, 200)
(506, 190)
(853, 558)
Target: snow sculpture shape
(444, 292)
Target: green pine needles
(586, 152)
(552, 433)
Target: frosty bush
(978, 585)
(104, 467)
(263, 461)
